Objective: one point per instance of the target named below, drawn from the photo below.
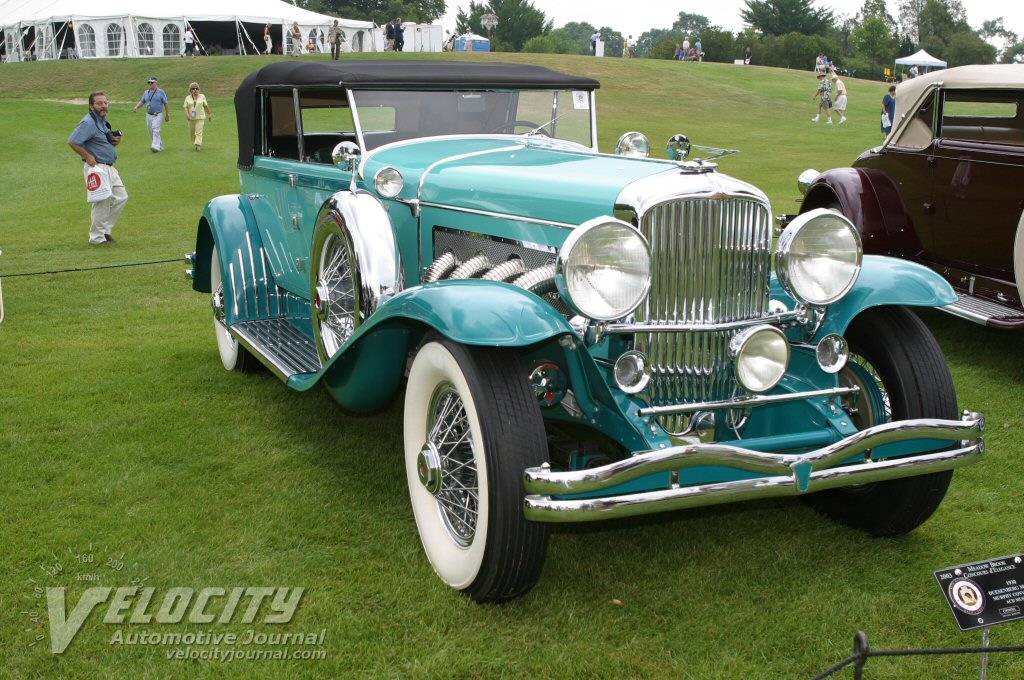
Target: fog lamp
(632, 372)
(832, 353)
(761, 356)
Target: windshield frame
(353, 96)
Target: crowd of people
(685, 51)
(95, 140)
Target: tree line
(783, 33)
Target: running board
(985, 312)
(279, 345)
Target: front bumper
(786, 474)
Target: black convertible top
(392, 74)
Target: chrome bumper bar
(787, 474)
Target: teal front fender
(888, 281)
(367, 371)
(474, 312)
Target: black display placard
(984, 593)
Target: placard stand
(984, 655)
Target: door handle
(932, 161)
(929, 208)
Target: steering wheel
(511, 128)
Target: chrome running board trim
(279, 346)
(981, 311)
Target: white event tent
(62, 29)
(921, 58)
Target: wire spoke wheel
(472, 425)
(335, 293)
(458, 498)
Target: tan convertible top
(910, 92)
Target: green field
(123, 439)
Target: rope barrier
(90, 269)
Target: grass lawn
(128, 455)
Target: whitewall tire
(472, 425)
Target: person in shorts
(839, 90)
(824, 91)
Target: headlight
(604, 269)
(633, 144)
(389, 182)
(761, 356)
(818, 257)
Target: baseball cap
(152, 79)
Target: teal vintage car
(579, 335)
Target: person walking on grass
(334, 36)
(190, 42)
(839, 88)
(197, 112)
(267, 40)
(825, 92)
(889, 109)
(158, 112)
(95, 142)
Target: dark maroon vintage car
(946, 188)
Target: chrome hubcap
(217, 302)
(428, 466)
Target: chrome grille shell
(711, 263)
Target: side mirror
(346, 155)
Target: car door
(908, 162)
(294, 175)
(978, 181)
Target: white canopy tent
(55, 29)
(921, 58)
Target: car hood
(535, 178)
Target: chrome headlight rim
(563, 264)
(740, 344)
(784, 256)
(388, 182)
(633, 144)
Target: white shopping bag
(97, 183)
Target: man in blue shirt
(157, 112)
(94, 141)
(889, 110)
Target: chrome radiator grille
(711, 263)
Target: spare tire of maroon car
(472, 426)
(902, 374)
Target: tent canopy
(921, 58)
(251, 11)
(54, 29)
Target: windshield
(388, 116)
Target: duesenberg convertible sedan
(580, 335)
(946, 189)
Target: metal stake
(984, 655)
